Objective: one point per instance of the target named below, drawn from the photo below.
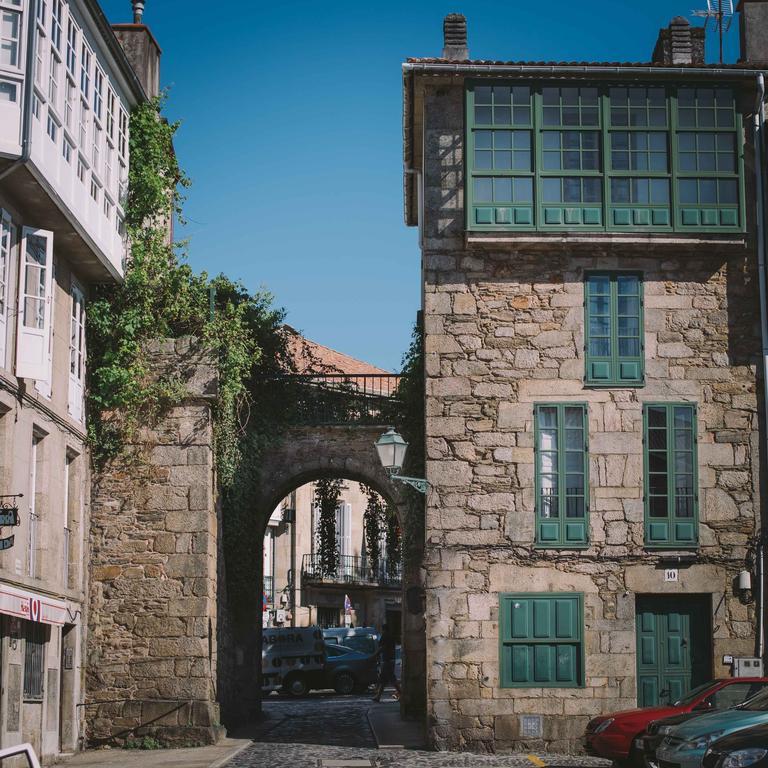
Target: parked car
(348, 670)
(686, 745)
(739, 691)
(743, 749)
(618, 736)
(363, 639)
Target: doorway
(674, 646)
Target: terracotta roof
(311, 357)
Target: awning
(31, 606)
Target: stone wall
(504, 325)
(153, 594)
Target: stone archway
(304, 454)
(160, 638)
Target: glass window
(562, 495)
(638, 107)
(671, 498)
(706, 108)
(570, 151)
(503, 150)
(503, 105)
(541, 640)
(564, 140)
(71, 46)
(570, 106)
(572, 190)
(639, 151)
(85, 71)
(614, 328)
(98, 92)
(35, 266)
(10, 29)
(8, 91)
(57, 11)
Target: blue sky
(292, 136)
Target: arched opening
(332, 557)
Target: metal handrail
(341, 398)
(21, 749)
(351, 569)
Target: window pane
(483, 190)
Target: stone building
(66, 90)
(592, 317)
(298, 593)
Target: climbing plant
(161, 297)
(327, 497)
(394, 550)
(373, 519)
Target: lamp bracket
(415, 482)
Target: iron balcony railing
(327, 399)
(351, 569)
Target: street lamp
(391, 449)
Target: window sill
(673, 549)
(614, 384)
(561, 547)
(735, 239)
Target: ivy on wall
(327, 498)
(161, 297)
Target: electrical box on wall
(747, 666)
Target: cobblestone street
(327, 731)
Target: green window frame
(562, 474)
(541, 640)
(554, 155)
(614, 339)
(670, 468)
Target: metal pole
(720, 26)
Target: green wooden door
(673, 648)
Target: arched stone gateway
(162, 650)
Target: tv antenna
(721, 13)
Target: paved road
(323, 729)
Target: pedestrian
(386, 653)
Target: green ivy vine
(161, 297)
(327, 498)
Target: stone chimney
(455, 37)
(679, 43)
(141, 49)
(753, 32)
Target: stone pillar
(152, 657)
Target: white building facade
(66, 92)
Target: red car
(613, 736)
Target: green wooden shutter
(671, 474)
(613, 306)
(541, 640)
(562, 474)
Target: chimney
(753, 32)
(679, 43)
(455, 37)
(141, 49)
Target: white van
(292, 659)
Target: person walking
(386, 653)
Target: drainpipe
(759, 119)
(419, 202)
(26, 130)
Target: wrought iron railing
(327, 399)
(351, 569)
